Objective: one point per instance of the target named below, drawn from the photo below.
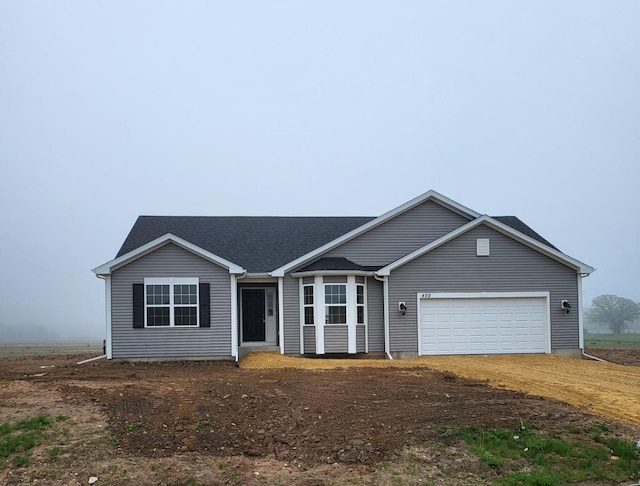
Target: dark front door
(253, 315)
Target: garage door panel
(483, 325)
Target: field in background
(612, 341)
(41, 349)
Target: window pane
(360, 314)
(308, 315)
(360, 294)
(335, 294)
(308, 294)
(185, 316)
(157, 316)
(336, 314)
(184, 294)
(157, 295)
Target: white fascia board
(542, 248)
(498, 226)
(313, 273)
(386, 271)
(129, 257)
(433, 195)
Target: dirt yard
(214, 423)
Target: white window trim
(171, 281)
(306, 306)
(363, 305)
(345, 305)
(319, 307)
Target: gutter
(385, 290)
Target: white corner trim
(318, 312)
(385, 301)
(352, 314)
(281, 313)
(112, 265)
(580, 314)
(108, 345)
(498, 226)
(301, 300)
(234, 317)
(279, 272)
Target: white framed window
(360, 303)
(307, 303)
(335, 303)
(171, 302)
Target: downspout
(581, 322)
(385, 292)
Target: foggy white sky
(113, 109)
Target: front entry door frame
(266, 332)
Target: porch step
(244, 350)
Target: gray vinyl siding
(170, 261)
(401, 235)
(291, 296)
(360, 338)
(336, 339)
(375, 315)
(309, 339)
(511, 267)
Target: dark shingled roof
(262, 244)
(258, 244)
(518, 225)
(336, 263)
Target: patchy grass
(46, 349)
(612, 341)
(18, 438)
(522, 456)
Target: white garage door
(486, 325)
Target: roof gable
(527, 240)
(258, 244)
(153, 245)
(374, 223)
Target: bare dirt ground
(606, 389)
(630, 357)
(214, 423)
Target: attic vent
(482, 247)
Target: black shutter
(138, 306)
(205, 305)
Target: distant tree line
(614, 312)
